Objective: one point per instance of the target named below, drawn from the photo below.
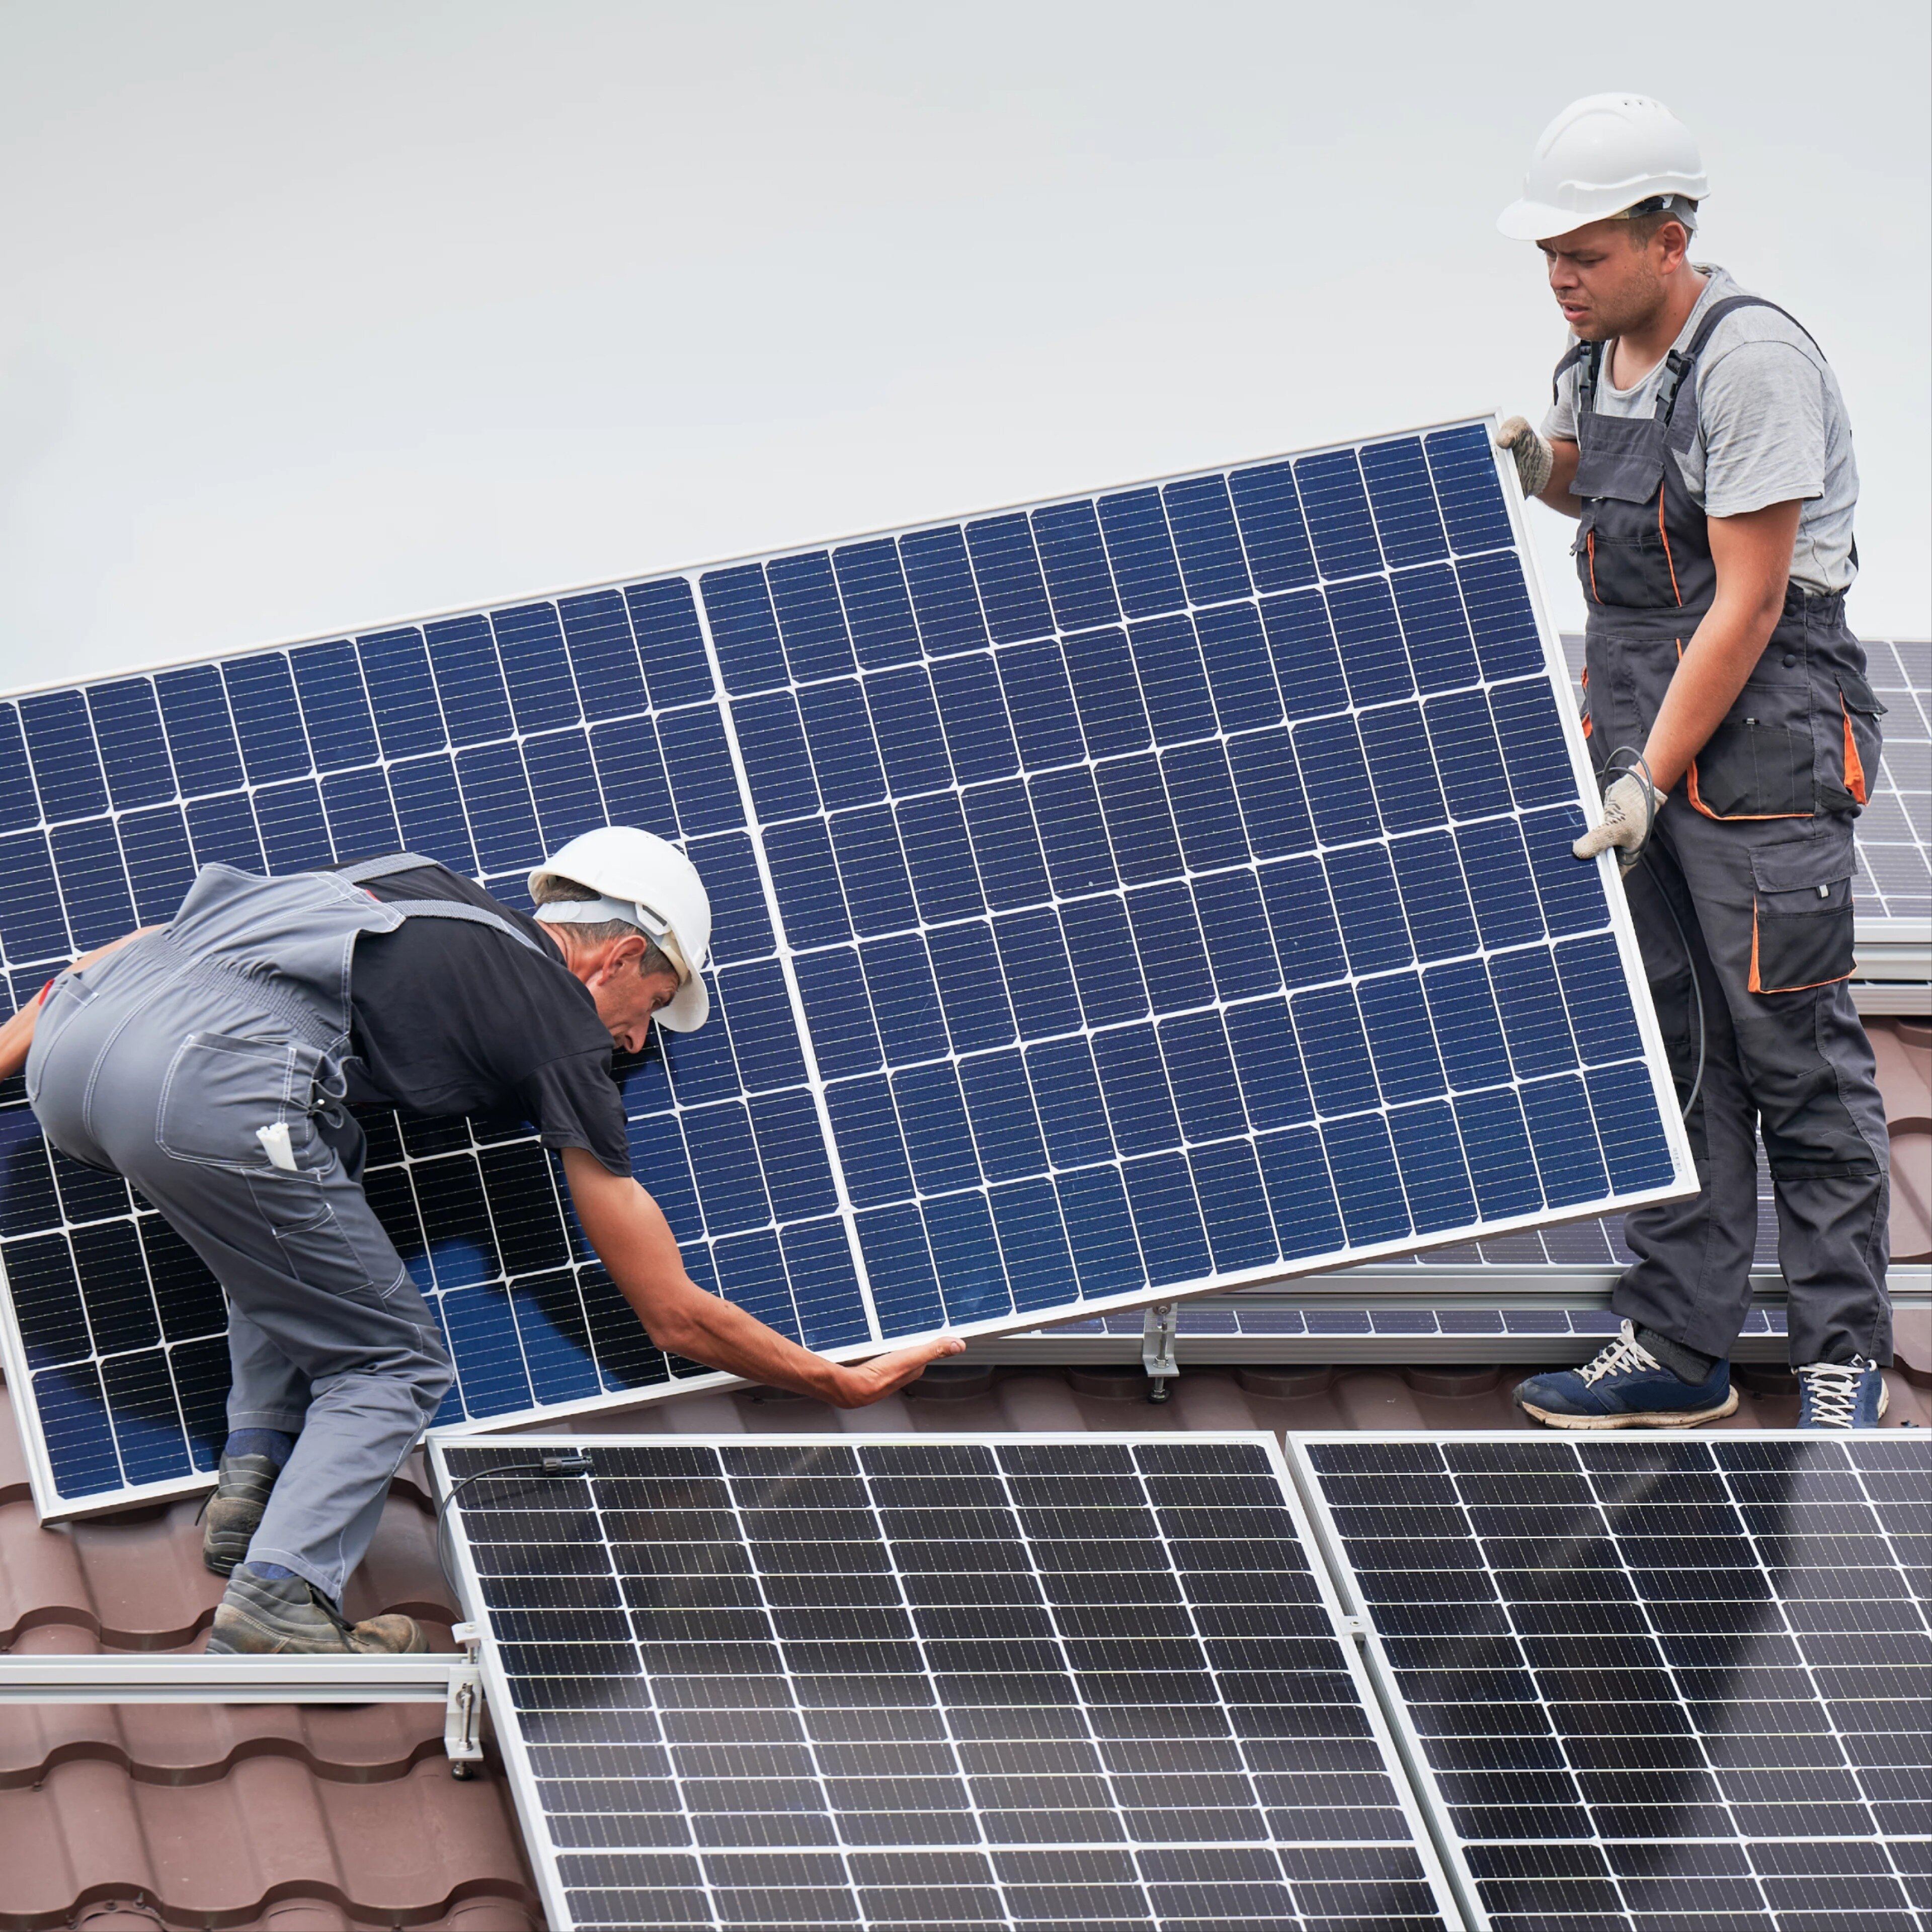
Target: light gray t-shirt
(1770, 426)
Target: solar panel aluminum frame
(51, 1505)
(1337, 1570)
(1453, 1900)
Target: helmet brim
(1539, 221)
(687, 1009)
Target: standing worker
(1698, 434)
(209, 1060)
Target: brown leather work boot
(287, 1616)
(232, 1516)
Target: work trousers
(1754, 914)
(159, 1066)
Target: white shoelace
(1834, 1387)
(1625, 1356)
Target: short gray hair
(553, 891)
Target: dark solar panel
(1117, 898)
(1068, 1682)
(1679, 1680)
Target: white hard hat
(1601, 157)
(647, 881)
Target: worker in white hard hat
(1697, 435)
(210, 1061)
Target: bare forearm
(1753, 555)
(1563, 472)
(633, 1241)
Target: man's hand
(1629, 809)
(633, 1241)
(1535, 461)
(856, 1384)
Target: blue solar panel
(1145, 892)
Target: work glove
(1630, 807)
(1535, 459)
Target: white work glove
(1629, 809)
(1535, 460)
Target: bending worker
(207, 1060)
(1698, 435)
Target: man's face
(1606, 287)
(626, 1000)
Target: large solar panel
(1678, 1680)
(1135, 894)
(1061, 1682)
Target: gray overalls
(1754, 853)
(164, 1063)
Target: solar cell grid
(936, 1682)
(1682, 1676)
(1165, 889)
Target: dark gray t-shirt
(451, 1017)
(1772, 426)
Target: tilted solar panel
(1681, 1680)
(1064, 1682)
(1137, 893)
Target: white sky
(311, 317)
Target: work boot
(288, 1616)
(1841, 1395)
(1626, 1387)
(233, 1513)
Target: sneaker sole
(1674, 1419)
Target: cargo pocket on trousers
(1849, 770)
(1801, 921)
(1752, 768)
(222, 1089)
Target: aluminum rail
(453, 1681)
(1232, 1328)
(1893, 973)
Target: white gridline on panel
(1334, 1550)
(548, 1852)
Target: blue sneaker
(1626, 1387)
(1841, 1395)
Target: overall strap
(1678, 361)
(475, 915)
(382, 868)
(456, 909)
(1574, 354)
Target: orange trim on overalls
(1753, 984)
(1741, 818)
(1590, 545)
(1855, 769)
(1667, 557)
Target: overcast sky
(311, 317)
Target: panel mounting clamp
(463, 1711)
(1157, 1334)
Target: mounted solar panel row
(1070, 1682)
(1681, 1680)
(1165, 889)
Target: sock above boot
(269, 1442)
(1683, 1361)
